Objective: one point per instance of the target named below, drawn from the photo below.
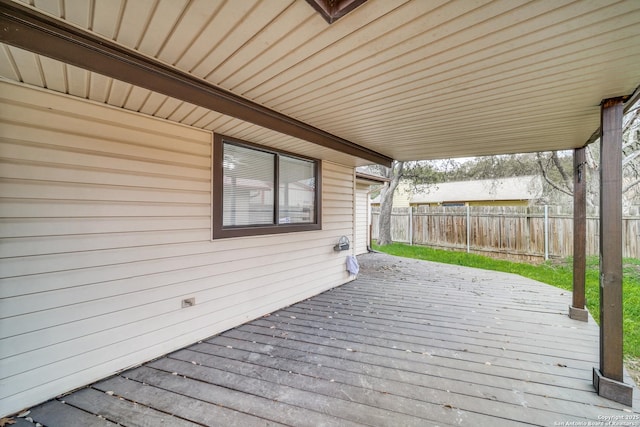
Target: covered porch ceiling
(392, 79)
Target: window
(248, 177)
(258, 190)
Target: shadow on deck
(410, 343)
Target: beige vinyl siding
(105, 226)
(361, 218)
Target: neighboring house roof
(516, 188)
(503, 189)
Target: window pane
(248, 194)
(297, 195)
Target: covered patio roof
(393, 79)
(408, 343)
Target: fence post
(410, 225)
(468, 229)
(546, 232)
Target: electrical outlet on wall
(188, 302)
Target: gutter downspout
(370, 217)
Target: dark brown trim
(220, 232)
(608, 380)
(374, 179)
(611, 240)
(332, 10)
(577, 310)
(28, 29)
(593, 138)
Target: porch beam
(28, 29)
(630, 101)
(608, 379)
(577, 309)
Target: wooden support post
(577, 310)
(608, 380)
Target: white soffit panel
(409, 79)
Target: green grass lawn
(558, 273)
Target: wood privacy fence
(511, 232)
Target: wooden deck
(409, 343)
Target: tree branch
(631, 185)
(543, 170)
(563, 173)
(591, 161)
(630, 157)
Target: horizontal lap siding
(105, 227)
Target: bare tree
(548, 162)
(557, 171)
(631, 152)
(394, 173)
(416, 174)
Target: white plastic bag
(352, 265)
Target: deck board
(119, 410)
(454, 341)
(351, 396)
(260, 401)
(412, 357)
(408, 343)
(259, 381)
(195, 410)
(408, 383)
(430, 371)
(57, 413)
(446, 346)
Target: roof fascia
(31, 30)
(630, 101)
(375, 179)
